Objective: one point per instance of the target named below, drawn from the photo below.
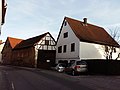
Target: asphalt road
(17, 78)
(13, 78)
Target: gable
(14, 41)
(66, 34)
(46, 43)
(11, 43)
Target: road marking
(13, 88)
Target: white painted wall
(91, 51)
(115, 55)
(94, 51)
(67, 41)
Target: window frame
(64, 48)
(60, 49)
(65, 35)
(65, 23)
(72, 47)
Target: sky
(28, 18)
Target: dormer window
(65, 35)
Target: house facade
(37, 51)
(82, 41)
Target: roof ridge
(30, 41)
(83, 21)
(14, 38)
(36, 36)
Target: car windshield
(62, 65)
(81, 63)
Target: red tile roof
(14, 41)
(91, 33)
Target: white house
(79, 40)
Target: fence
(106, 67)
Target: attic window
(65, 35)
(65, 23)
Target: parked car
(76, 68)
(60, 67)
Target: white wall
(115, 55)
(94, 51)
(67, 41)
(91, 51)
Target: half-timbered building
(37, 51)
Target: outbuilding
(37, 51)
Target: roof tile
(91, 33)
(30, 42)
(14, 41)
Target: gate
(46, 58)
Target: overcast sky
(29, 18)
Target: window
(46, 42)
(65, 23)
(72, 47)
(64, 48)
(60, 49)
(65, 35)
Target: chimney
(85, 21)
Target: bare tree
(109, 50)
(115, 33)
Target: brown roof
(30, 42)
(14, 41)
(91, 33)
